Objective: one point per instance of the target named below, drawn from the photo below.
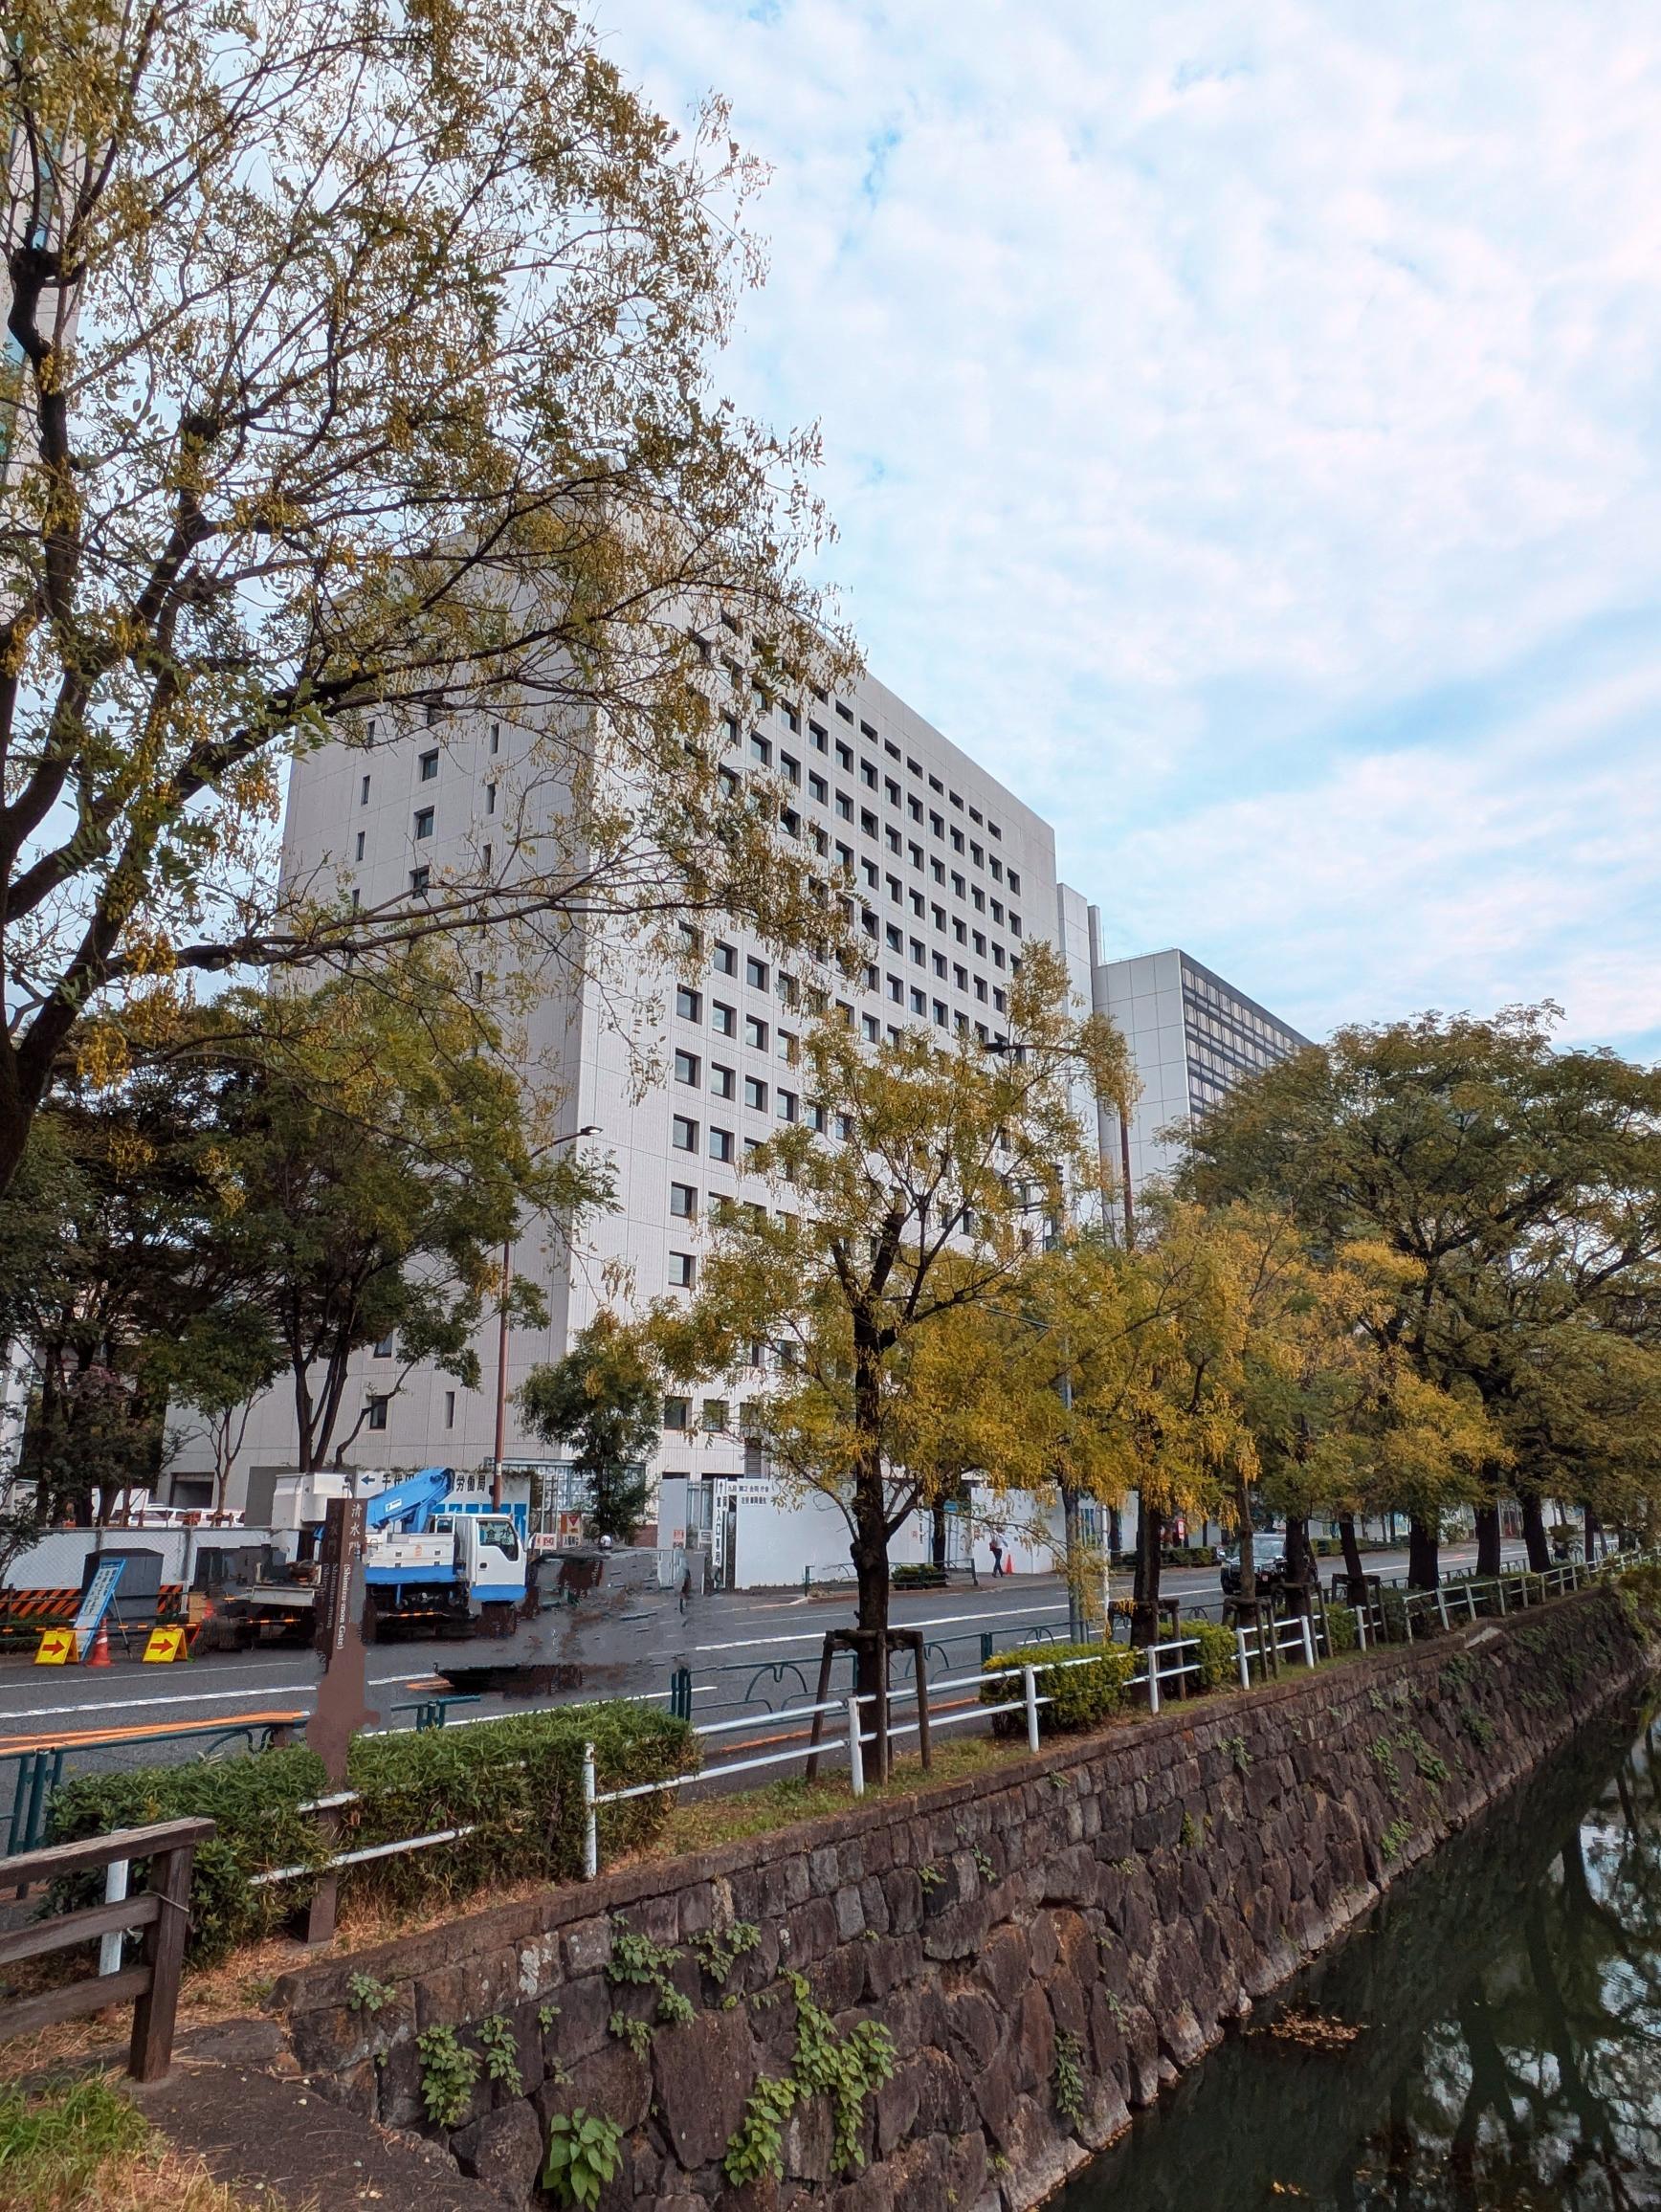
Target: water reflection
(1511, 2055)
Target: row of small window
(378, 1402)
(426, 765)
(761, 699)
(760, 750)
(787, 1106)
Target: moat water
(1488, 2040)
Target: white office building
(1192, 1037)
(953, 876)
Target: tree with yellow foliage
(912, 1204)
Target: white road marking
(937, 1621)
(149, 1704)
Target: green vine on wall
(448, 2073)
(847, 2069)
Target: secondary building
(1192, 1037)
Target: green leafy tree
(1520, 1187)
(361, 378)
(604, 1401)
(913, 1201)
(377, 1155)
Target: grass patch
(698, 1825)
(74, 2144)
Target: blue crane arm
(413, 1500)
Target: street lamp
(571, 1137)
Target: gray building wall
(1192, 1037)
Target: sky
(1243, 426)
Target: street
(776, 1631)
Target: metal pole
(1245, 1662)
(1153, 1677)
(109, 1948)
(501, 1378)
(1308, 1640)
(590, 1818)
(1442, 1605)
(856, 1748)
(1029, 1692)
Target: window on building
(424, 823)
(760, 750)
(755, 1033)
(449, 1410)
(722, 1080)
(682, 1270)
(726, 960)
(919, 1002)
(720, 1144)
(723, 1020)
(688, 1004)
(363, 792)
(867, 774)
(683, 1133)
(420, 878)
(676, 1414)
(360, 850)
(756, 973)
(870, 1029)
(714, 1414)
(756, 1093)
(688, 1068)
(786, 1047)
(378, 1412)
(684, 1201)
(817, 736)
(430, 767)
(785, 1105)
(817, 787)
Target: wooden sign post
(343, 1695)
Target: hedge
(1218, 1654)
(1081, 1696)
(515, 1783)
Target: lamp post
(571, 1137)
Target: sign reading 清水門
(342, 1707)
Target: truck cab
(490, 1560)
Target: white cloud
(1208, 386)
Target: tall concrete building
(1192, 1037)
(953, 879)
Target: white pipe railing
(1295, 1634)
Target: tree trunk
(1354, 1571)
(1300, 1568)
(1592, 1525)
(1487, 1539)
(937, 1546)
(1248, 1548)
(1150, 1528)
(1534, 1534)
(1115, 1531)
(1423, 1553)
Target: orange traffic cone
(100, 1654)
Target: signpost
(343, 1695)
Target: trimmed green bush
(1218, 1654)
(515, 1784)
(1341, 1631)
(1081, 1696)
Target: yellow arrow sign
(57, 1648)
(166, 1643)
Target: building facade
(1192, 1037)
(953, 879)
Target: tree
(603, 1398)
(1521, 1184)
(363, 379)
(115, 1274)
(910, 1201)
(380, 1157)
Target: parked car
(1268, 1566)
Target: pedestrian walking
(997, 1554)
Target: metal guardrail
(1303, 1636)
(41, 1769)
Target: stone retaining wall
(1082, 1924)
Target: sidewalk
(267, 2135)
